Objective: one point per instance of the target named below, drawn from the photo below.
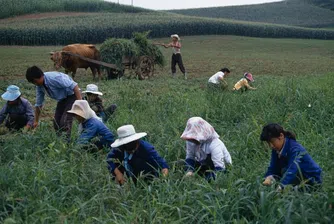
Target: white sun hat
(92, 88)
(175, 35)
(12, 93)
(127, 134)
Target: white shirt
(215, 147)
(215, 79)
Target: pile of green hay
(115, 50)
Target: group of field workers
(130, 156)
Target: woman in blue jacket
(91, 126)
(134, 157)
(290, 163)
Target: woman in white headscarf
(91, 125)
(205, 151)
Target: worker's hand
(164, 172)
(26, 129)
(120, 179)
(268, 181)
(189, 173)
(35, 125)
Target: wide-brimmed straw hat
(12, 93)
(127, 134)
(176, 36)
(249, 76)
(77, 109)
(91, 88)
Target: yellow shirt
(242, 83)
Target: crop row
(96, 28)
(10, 8)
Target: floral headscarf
(199, 129)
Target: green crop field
(10, 8)
(95, 28)
(42, 180)
(289, 12)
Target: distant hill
(328, 4)
(304, 13)
(11, 8)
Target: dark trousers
(140, 166)
(62, 120)
(177, 59)
(16, 121)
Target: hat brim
(76, 112)
(126, 140)
(97, 93)
(178, 38)
(10, 96)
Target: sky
(182, 4)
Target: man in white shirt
(217, 80)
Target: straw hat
(175, 35)
(91, 88)
(249, 76)
(12, 93)
(77, 110)
(127, 134)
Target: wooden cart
(141, 67)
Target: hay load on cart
(137, 55)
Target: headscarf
(82, 108)
(199, 129)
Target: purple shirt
(24, 107)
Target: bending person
(206, 153)
(92, 128)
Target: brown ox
(72, 63)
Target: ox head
(56, 57)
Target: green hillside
(291, 12)
(95, 28)
(10, 8)
(328, 4)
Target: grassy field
(44, 181)
(289, 12)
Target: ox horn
(52, 53)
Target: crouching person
(92, 128)
(243, 84)
(95, 102)
(290, 163)
(206, 153)
(134, 157)
(17, 112)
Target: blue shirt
(92, 128)
(294, 159)
(24, 107)
(57, 85)
(145, 152)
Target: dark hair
(129, 146)
(225, 70)
(273, 131)
(33, 73)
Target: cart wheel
(145, 67)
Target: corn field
(11, 8)
(97, 28)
